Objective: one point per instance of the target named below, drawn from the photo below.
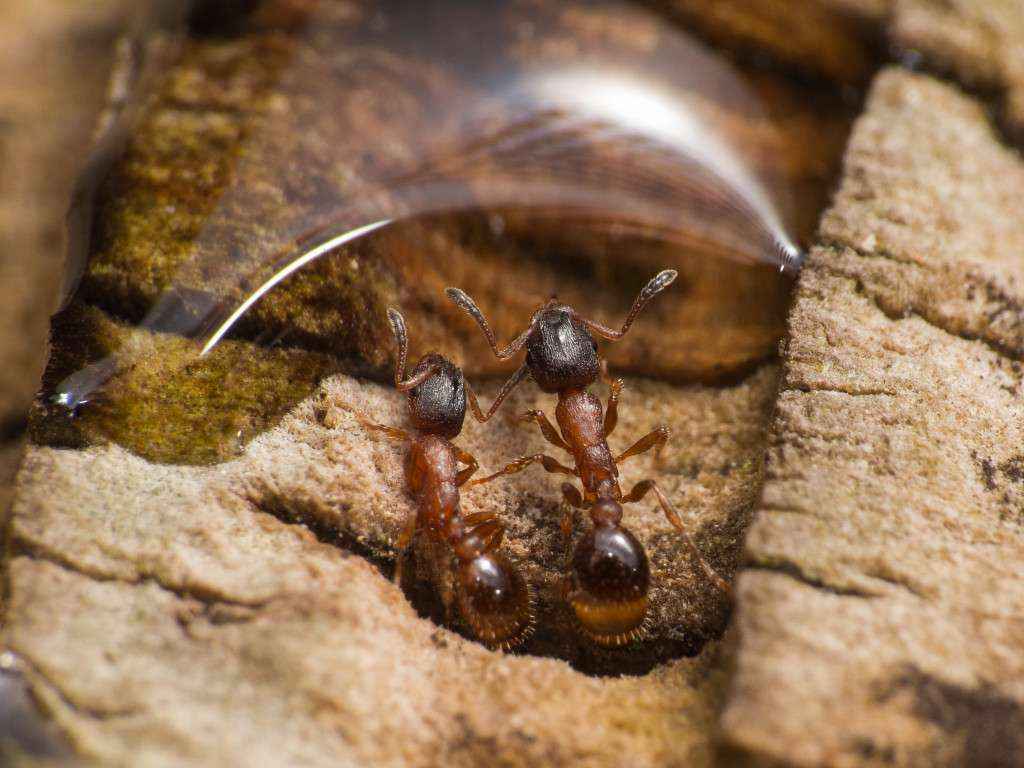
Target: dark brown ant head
(560, 350)
(436, 388)
(610, 579)
(438, 405)
(493, 597)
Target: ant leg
(466, 458)
(550, 464)
(487, 527)
(639, 491)
(402, 545)
(446, 591)
(391, 433)
(611, 413)
(571, 501)
(571, 496)
(546, 427)
(478, 517)
(655, 439)
(474, 404)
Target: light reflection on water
(628, 131)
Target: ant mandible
(492, 596)
(609, 579)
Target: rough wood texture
(55, 62)
(882, 618)
(155, 678)
(169, 613)
(978, 41)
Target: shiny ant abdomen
(609, 575)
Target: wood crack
(850, 391)
(794, 571)
(1003, 351)
(38, 552)
(34, 673)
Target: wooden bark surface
(881, 616)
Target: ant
(609, 574)
(492, 596)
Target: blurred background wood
(56, 59)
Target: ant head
(438, 404)
(611, 578)
(493, 597)
(560, 352)
(436, 388)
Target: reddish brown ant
(490, 593)
(609, 577)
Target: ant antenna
(509, 385)
(469, 306)
(402, 338)
(656, 285)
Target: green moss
(232, 158)
(156, 211)
(164, 403)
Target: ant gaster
(491, 595)
(609, 579)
